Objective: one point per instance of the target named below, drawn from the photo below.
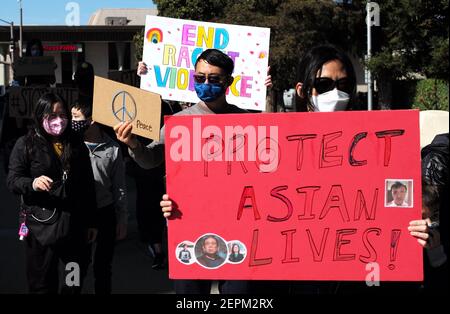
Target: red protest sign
(294, 196)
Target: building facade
(106, 42)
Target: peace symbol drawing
(124, 106)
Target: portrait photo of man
(397, 194)
(210, 247)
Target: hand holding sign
(142, 69)
(123, 132)
(166, 206)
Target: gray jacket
(109, 174)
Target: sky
(53, 12)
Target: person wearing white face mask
(326, 81)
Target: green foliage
(431, 95)
(201, 10)
(414, 39)
(296, 26)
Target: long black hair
(44, 107)
(311, 64)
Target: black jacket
(435, 172)
(27, 163)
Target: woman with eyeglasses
(326, 81)
(51, 172)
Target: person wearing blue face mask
(213, 75)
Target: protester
(213, 75)
(51, 172)
(432, 231)
(109, 174)
(326, 80)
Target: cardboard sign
(172, 46)
(35, 66)
(115, 102)
(23, 99)
(294, 196)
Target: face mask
(209, 92)
(334, 100)
(80, 125)
(55, 126)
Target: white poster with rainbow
(172, 47)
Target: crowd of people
(69, 172)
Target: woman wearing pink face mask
(51, 171)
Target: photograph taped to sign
(211, 251)
(399, 193)
(117, 103)
(185, 253)
(238, 252)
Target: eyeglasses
(213, 79)
(326, 84)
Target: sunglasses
(325, 84)
(213, 79)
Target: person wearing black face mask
(110, 188)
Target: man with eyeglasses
(213, 75)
